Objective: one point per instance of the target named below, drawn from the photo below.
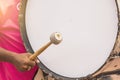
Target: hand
(22, 62)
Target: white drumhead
(88, 27)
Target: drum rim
(28, 47)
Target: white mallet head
(56, 38)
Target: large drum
(90, 35)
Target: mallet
(55, 38)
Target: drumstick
(55, 38)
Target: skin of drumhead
(88, 28)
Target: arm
(20, 61)
(6, 55)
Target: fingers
(31, 63)
(25, 68)
(29, 68)
(37, 61)
(28, 64)
(22, 62)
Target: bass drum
(90, 36)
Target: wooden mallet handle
(55, 38)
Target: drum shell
(110, 65)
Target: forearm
(20, 61)
(6, 56)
